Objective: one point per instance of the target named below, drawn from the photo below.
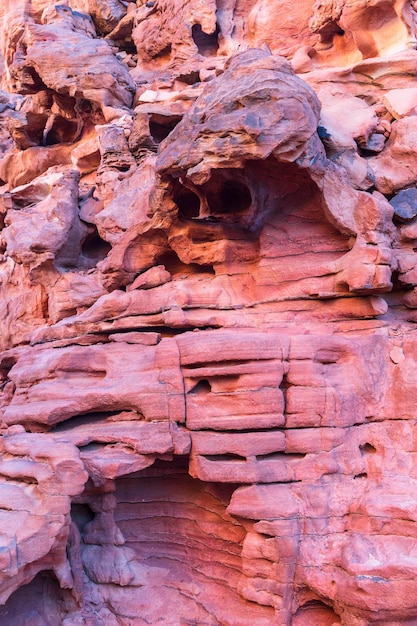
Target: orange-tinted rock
(208, 284)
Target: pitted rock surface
(208, 294)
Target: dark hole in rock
(174, 265)
(233, 458)
(361, 475)
(94, 247)
(281, 456)
(367, 448)
(126, 44)
(84, 106)
(202, 387)
(232, 197)
(38, 247)
(207, 44)
(6, 365)
(29, 82)
(329, 356)
(190, 78)
(160, 128)
(225, 382)
(81, 515)
(38, 603)
(92, 418)
(34, 130)
(62, 131)
(188, 203)
(225, 363)
(397, 283)
(330, 31)
(68, 106)
(165, 53)
(315, 613)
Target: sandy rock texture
(208, 294)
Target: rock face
(208, 294)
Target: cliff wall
(208, 294)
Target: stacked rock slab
(208, 293)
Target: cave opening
(367, 448)
(179, 529)
(62, 130)
(81, 515)
(160, 126)
(233, 196)
(173, 264)
(94, 248)
(207, 44)
(202, 387)
(29, 81)
(38, 603)
(188, 203)
(33, 132)
(6, 365)
(224, 195)
(171, 543)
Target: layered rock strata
(208, 289)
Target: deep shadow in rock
(36, 604)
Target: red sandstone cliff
(208, 294)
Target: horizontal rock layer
(207, 292)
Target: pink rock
(208, 284)
(394, 166)
(401, 102)
(36, 506)
(154, 277)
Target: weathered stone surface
(208, 285)
(38, 479)
(95, 74)
(394, 166)
(405, 204)
(148, 370)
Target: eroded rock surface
(208, 284)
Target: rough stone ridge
(208, 294)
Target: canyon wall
(208, 299)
